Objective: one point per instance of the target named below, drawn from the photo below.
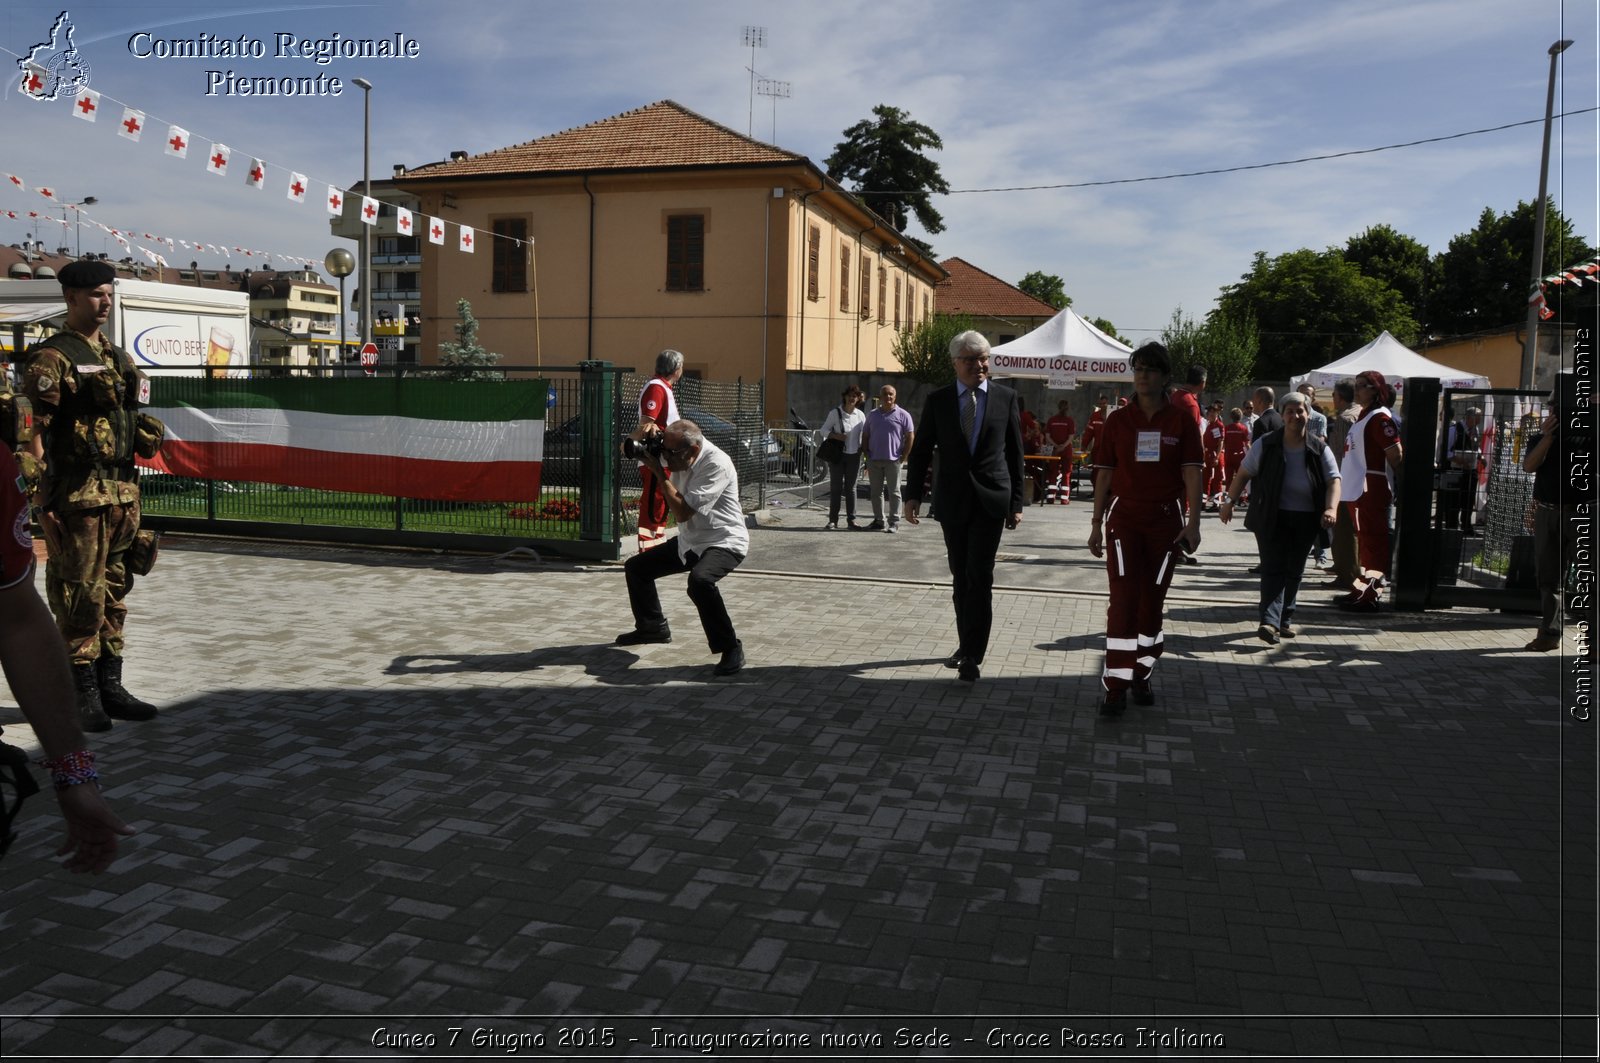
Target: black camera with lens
(655, 444)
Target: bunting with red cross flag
(256, 176)
(297, 187)
(466, 239)
(369, 211)
(402, 220)
(87, 105)
(132, 124)
(34, 78)
(16, 182)
(217, 161)
(177, 142)
(335, 201)
(46, 192)
(435, 231)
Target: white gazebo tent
(1063, 350)
(1395, 361)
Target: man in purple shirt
(886, 441)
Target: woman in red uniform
(1371, 463)
(1235, 442)
(1216, 473)
(1148, 468)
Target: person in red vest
(1216, 472)
(1235, 441)
(1186, 396)
(1097, 418)
(1372, 459)
(657, 406)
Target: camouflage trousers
(88, 578)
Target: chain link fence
(1500, 555)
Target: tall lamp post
(340, 263)
(77, 212)
(366, 190)
(1530, 346)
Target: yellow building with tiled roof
(661, 228)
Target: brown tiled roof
(662, 135)
(969, 290)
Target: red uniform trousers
(1216, 478)
(1370, 515)
(652, 509)
(1141, 553)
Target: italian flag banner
(456, 441)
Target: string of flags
(1573, 275)
(87, 105)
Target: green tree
(1388, 255)
(1310, 307)
(924, 351)
(467, 359)
(1104, 325)
(882, 157)
(1226, 344)
(1483, 276)
(1047, 288)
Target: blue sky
(1023, 92)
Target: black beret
(86, 274)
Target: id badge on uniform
(144, 390)
(1149, 447)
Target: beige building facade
(660, 228)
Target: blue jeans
(1283, 562)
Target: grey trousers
(883, 479)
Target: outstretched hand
(92, 829)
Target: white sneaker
(891, 529)
(832, 525)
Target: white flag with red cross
(297, 187)
(16, 182)
(132, 123)
(48, 193)
(466, 239)
(87, 105)
(256, 176)
(34, 79)
(177, 142)
(335, 201)
(403, 221)
(435, 231)
(217, 161)
(369, 211)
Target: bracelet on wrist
(74, 769)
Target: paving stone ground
(392, 794)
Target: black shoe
(967, 670)
(1287, 630)
(639, 637)
(1255, 570)
(876, 525)
(1115, 704)
(732, 660)
(114, 698)
(91, 713)
(1142, 694)
(1189, 559)
(1268, 634)
(954, 660)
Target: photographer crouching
(703, 495)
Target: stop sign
(369, 358)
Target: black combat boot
(91, 714)
(119, 704)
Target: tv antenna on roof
(752, 37)
(778, 90)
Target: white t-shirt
(848, 425)
(711, 488)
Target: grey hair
(668, 362)
(688, 430)
(1294, 398)
(1346, 388)
(968, 342)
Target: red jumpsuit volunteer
(657, 406)
(1148, 468)
(1097, 421)
(1235, 442)
(1372, 456)
(1216, 472)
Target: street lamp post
(1530, 348)
(77, 211)
(366, 190)
(339, 262)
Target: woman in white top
(845, 422)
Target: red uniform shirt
(1185, 400)
(1215, 433)
(1235, 441)
(1061, 429)
(1379, 435)
(1166, 442)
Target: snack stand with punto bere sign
(1061, 352)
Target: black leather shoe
(1142, 694)
(1115, 704)
(638, 637)
(954, 660)
(967, 670)
(732, 660)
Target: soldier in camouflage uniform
(86, 394)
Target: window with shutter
(686, 253)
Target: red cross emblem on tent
(132, 124)
(86, 105)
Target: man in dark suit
(976, 427)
